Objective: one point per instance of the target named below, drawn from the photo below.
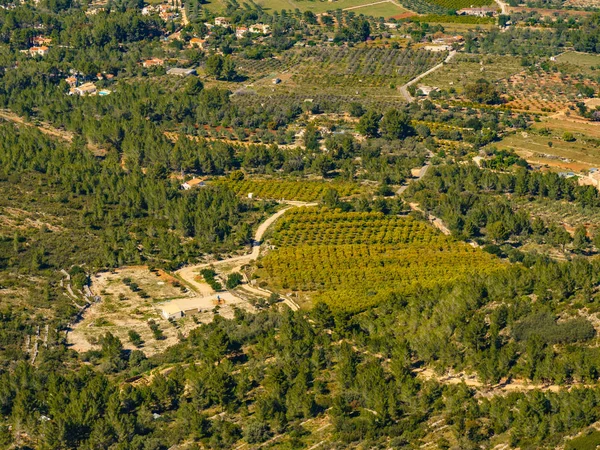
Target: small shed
(172, 310)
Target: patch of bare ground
(15, 218)
(129, 298)
(49, 130)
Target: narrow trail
(373, 4)
(503, 6)
(189, 273)
(404, 89)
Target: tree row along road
(189, 273)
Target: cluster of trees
(467, 199)
(258, 376)
(523, 41)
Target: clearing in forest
(354, 260)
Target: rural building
(197, 42)
(39, 41)
(276, 80)
(240, 32)
(153, 62)
(260, 28)
(222, 21)
(194, 182)
(172, 310)
(591, 179)
(84, 89)
(484, 11)
(426, 90)
(71, 81)
(39, 51)
(176, 309)
(181, 72)
(166, 15)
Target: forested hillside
(299, 225)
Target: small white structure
(172, 310)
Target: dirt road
(372, 4)
(404, 89)
(234, 264)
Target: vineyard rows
(300, 190)
(363, 62)
(354, 260)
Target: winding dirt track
(189, 273)
(404, 89)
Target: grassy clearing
(129, 298)
(466, 68)
(589, 441)
(572, 214)
(355, 260)
(579, 59)
(578, 155)
(385, 10)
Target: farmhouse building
(153, 62)
(240, 32)
(39, 51)
(260, 28)
(198, 43)
(222, 21)
(194, 182)
(41, 40)
(84, 89)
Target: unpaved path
(189, 273)
(504, 387)
(374, 3)
(503, 6)
(43, 127)
(404, 89)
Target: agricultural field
(129, 299)
(467, 68)
(355, 260)
(299, 190)
(545, 92)
(363, 71)
(554, 211)
(540, 146)
(385, 9)
(460, 4)
(441, 6)
(316, 6)
(579, 59)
